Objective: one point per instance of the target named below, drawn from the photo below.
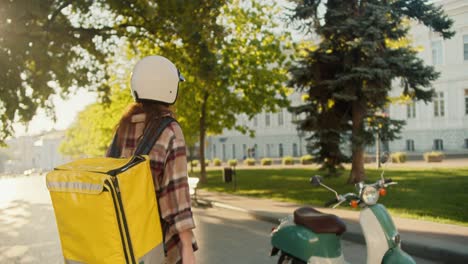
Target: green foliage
(249, 162)
(217, 162)
(229, 67)
(91, 133)
(307, 159)
(399, 157)
(387, 129)
(224, 49)
(266, 161)
(194, 163)
(348, 75)
(434, 156)
(232, 162)
(44, 50)
(207, 162)
(288, 160)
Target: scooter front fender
(382, 237)
(397, 256)
(302, 243)
(386, 224)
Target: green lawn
(439, 195)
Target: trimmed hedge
(232, 162)
(266, 161)
(216, 162)
(434, 156)
(399, 157)
(288, 160)
(307, 159)
(249, 162)
(194, 163)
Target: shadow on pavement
(28, 233)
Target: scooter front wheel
(286, 259)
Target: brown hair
(152, 110)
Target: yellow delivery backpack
(106, 208)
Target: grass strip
(438, 195)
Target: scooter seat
(318, 221)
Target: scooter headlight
(370, 195)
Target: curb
(423, 251)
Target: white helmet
(155, 78)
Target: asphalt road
(28, 232)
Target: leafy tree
(229, 51)
(349, 75)
(92, 131)
(42, 52)
(240, 72)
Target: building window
(255, 121)
(411, 110)
(294, 150)
(233, 151)
(438, 144)
(244, 151)
(439, 105)
(466, 101)
(267, 119)
(280, 118)
(224, 151)
(280, 150)
(466, 142)
(410, 145)
(437, 55)
(465, 47)
(268, 150)
(252, 151)
(214, 151)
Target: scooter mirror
(316, 180)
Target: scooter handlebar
(333, 201)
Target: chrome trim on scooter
(397, 240)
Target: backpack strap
(151, 135)
(114, 151)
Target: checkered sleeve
(175, 196)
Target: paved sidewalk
(440, 242)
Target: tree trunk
(377, 150)
(203, 178)
(357, 170)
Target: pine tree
(349, 75)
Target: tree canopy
(232, 54)
(44, 51)
(349, 74)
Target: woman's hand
(188, 256)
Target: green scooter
(312, 237)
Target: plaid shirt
(169, 168)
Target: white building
(439, 125)
(34, 152)
(275, 136)
(442, 124)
